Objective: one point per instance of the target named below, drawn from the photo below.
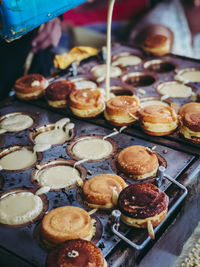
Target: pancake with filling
(57, 93)
(102, 190)
(138, 162)
(142, 202)
(158, 120)
(121, 110)
(86, 103)
(30, 86)
(76, 253)
(157, 44)
(66, 223)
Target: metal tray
(21, 241)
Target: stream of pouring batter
(108, 48)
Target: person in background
(13, 55)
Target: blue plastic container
(21, 16)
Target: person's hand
(49, 36)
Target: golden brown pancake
(138, 162)
(66, 223)
(189, 107)
(86, 103)
(157, 44)
(30, 86)
(76, 253)
(57, 92)
(100, 190)
(141, 202)
(158, 120)
(121, 110)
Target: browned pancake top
(192, 120)
(23, 84)
(188, 108)
(142, 200)
(155, 40)
(157, 114)
(88, 255)
(59, 90)
(122, 104)
(86, 98)
(137, 160)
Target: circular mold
(126, 59)
(174, 89)
(138, 79)
(119, 90)
(159, 66)
(113, 164)
(95, 239)
(47, 128)
(71, 145)
(188, 75)
(32, 121)
(8, 150)
(20, 190)
(84, 82)
(54, 163)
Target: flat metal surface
(21, 241)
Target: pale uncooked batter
(59, 135)
(16, 123)
(174, 89)
(20, 208)
(58, 176)
(152, 102)
(188, 75)
(92, 148)
(100, 71)
(19, 159)
(83, 84)
(129, 60)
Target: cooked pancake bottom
(189, 133)
(174, 89)
(29, 95)
(88, 112)
(57, 103)
(92, 148)
(119, 118)
(19, 159)
(16, 122)
(58, 177)
(142, 223)
(19, 208)
(124, 61)
(159, 127)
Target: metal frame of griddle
(115, 225)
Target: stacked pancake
(138, 162)
(157, 45)
(143, 205)
(190, 122)
(101, 191)
(86, 103)
(66, 223)
(121, 110)
(30, 86)
(158, 120)
(57, 92)
(76, 253)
